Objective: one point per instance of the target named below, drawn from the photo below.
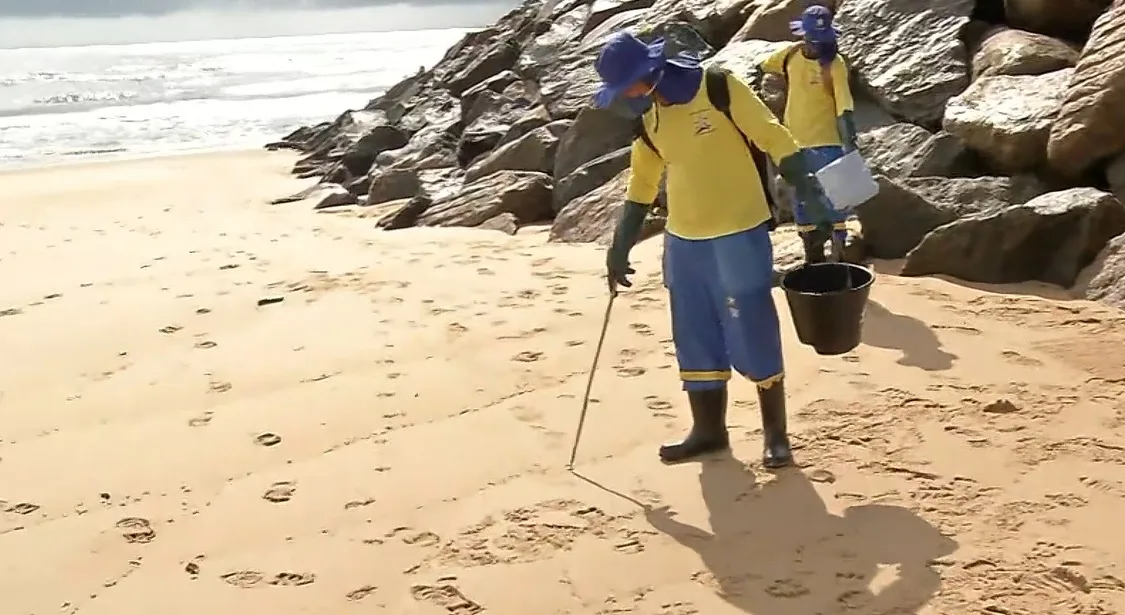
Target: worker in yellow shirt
(718, 259)
(818, 111)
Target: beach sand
(391, 436)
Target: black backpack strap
(718, 92)
(640, 132)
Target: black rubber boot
(708, 430)
(814, 246)
(775, 451)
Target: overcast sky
(81, 22)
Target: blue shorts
(723, 314)
(817, 158)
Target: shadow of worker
(918, 343)
(776, 550)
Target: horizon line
(242, 38)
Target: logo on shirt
(702, 123)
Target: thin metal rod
(590, 380)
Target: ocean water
(67, 103)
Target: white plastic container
(847, 182)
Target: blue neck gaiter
(825, 51)
(679, 85)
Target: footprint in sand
(528, 356)
(23, 508)
(280, 492)
(205, 344)
(1000, 406)
(359, 594)
(1016, 358)
(243, 579)
(659, 407)
(527, 414)
(630, 372)
(421, 539)
(787, 588)
(218, 386)
(958, 329)
(268, 439)
(136, 530)
(641, 329)
(446, 596)
(822, 476)
(10, 312)
(292, 579)
(201, 420)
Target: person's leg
(701, 352)
(753, 333)
(817, 158)
(811, 238)
(822, 157)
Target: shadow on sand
(918, 343)
(776, 550)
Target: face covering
(638, 105)
(825, 51)
(679, 85)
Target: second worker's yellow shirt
(811, 107)
(713, 186)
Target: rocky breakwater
(996, 127)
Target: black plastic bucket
(827, 301)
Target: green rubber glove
(808, 190)
(846, 125)
(625, 236)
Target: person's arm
(759, 124)
(845, 105)
(646, 168)
(775, 62)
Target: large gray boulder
(593, 216)
(1007, 119)
(1005, 51)
(897, 219)
(1051, 238)
(534, 151)
(908, 53)
(1107, 283)
(905, 150)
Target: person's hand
(617, 268)
(624, 237)
(848, 134)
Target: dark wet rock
(525, 194)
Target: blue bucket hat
(624, 61)
(815, 25)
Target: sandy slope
(424, 385)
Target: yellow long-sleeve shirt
(811, 108)
(713, 187)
